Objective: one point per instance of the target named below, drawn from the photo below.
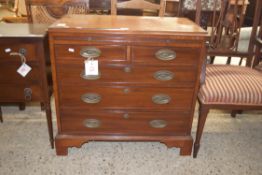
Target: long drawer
(165, 56)
(28, 49)
(17, 93)
(9, 75)
(109, 53)
(71, 73)
(80, 121)
(107, 97)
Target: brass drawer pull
(158, 123)
(164, 75)
(92, 123)
(89, 77)
(22, 51)
(91, 98)
(90, 52)
(161, 99)
(165, 54)
(28, 94)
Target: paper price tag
(91, 67)
(24, 69)
(7, 50)
(72, 50)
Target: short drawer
(162, 76)
(123, 122)
(165, 56)
(107, 97)
(28, 49)
(15, 93)
(9, 74)
(109, 53)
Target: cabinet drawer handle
(28, 94)
(165, 54)
(89, 77)
(158, 123)
(92, 123)
(163, 75)
(22, 51)
(90, 52)
(91, 98)
(161, 99)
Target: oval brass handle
(91, 98)
(22, 51)
(161, 99)
(158, 123)
(164, 75)
(90, 77)
(28, 94)
(165, 54)
(90, 52)
(92, 123)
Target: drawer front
(108, 53)
(106, 97)
(29, 51)
(9, 74)
(20, 93)
(123, 122)
(163, 76)
(165, 56)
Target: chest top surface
(23, 30)
(127, 24)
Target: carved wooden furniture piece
(147, 83)
(20, 14)
(24, 43)
(232, 87)
(138, 4)
(48, 11)
(224, 21)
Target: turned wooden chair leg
(212, 59)
(240, 61)
(203, 111)
(228, 60)
(21, 106)
(1, 116)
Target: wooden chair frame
(138, 4)
(205, 108)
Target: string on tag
(24, 69)
(23, 59)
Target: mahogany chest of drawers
(25, 43)
(146, 89)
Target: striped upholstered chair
(232, 87)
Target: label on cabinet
(91, 67)
(24, 69)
